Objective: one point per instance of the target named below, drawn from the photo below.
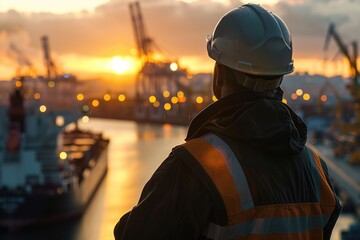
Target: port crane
(23, 61)
(51, 71)
(349, 128)
(30, 71)
(352, 59)
(58, 83)
(155, 76)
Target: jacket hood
(263, 123)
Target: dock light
(63, 155)
(107, 97)
(51, 84)
(18, 83)
(173, 66)
(174, 100)
(284, 100)
(166, 93)
(199, 99)
(167, 106)
(306, 97)
(323, 98)
(180, 94)
(152, 99)
(95, 103)
(80, 96)
(294, 96)
(85, 108)
(214, 98)
(37, 96)
(59, 190)
(59, 121)
(42, 108)
(299, 92)
(182, 99)
(156, 104)
(85, 119)
(121, 97)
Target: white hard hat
(252, 40)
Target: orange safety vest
(297, 221)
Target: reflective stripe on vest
(279, 221)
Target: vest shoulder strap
(223, 167)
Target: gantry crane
(154, 77)
(352, 59)
(23, 60)
(349, 128)
(61, 86)
(51, 71)
(143, 42)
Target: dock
(345, 176)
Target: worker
(244, 171)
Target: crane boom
(136, 29)
(143, 42)
(22, 60)
(332, 33)
(352, 59)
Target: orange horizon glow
(314, 66)
(128, 65)
(115, 64)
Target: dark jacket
(269, 137)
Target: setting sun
(120, 65)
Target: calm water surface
(135, 151)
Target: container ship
(49, 167)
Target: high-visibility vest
(296, 221)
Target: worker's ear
(217, 81)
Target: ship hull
(19, 210)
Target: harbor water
(135, 151)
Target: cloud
(309, 20)
(177, 27)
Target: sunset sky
(94, 38)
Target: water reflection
(135, 151)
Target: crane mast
(155, 76)
(352, 59)
(354, 127)
(143, 42)
(49, 64)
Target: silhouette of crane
(51, 70)
(352, 128)
(154, 77)
(25, 68)
(352, 59)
